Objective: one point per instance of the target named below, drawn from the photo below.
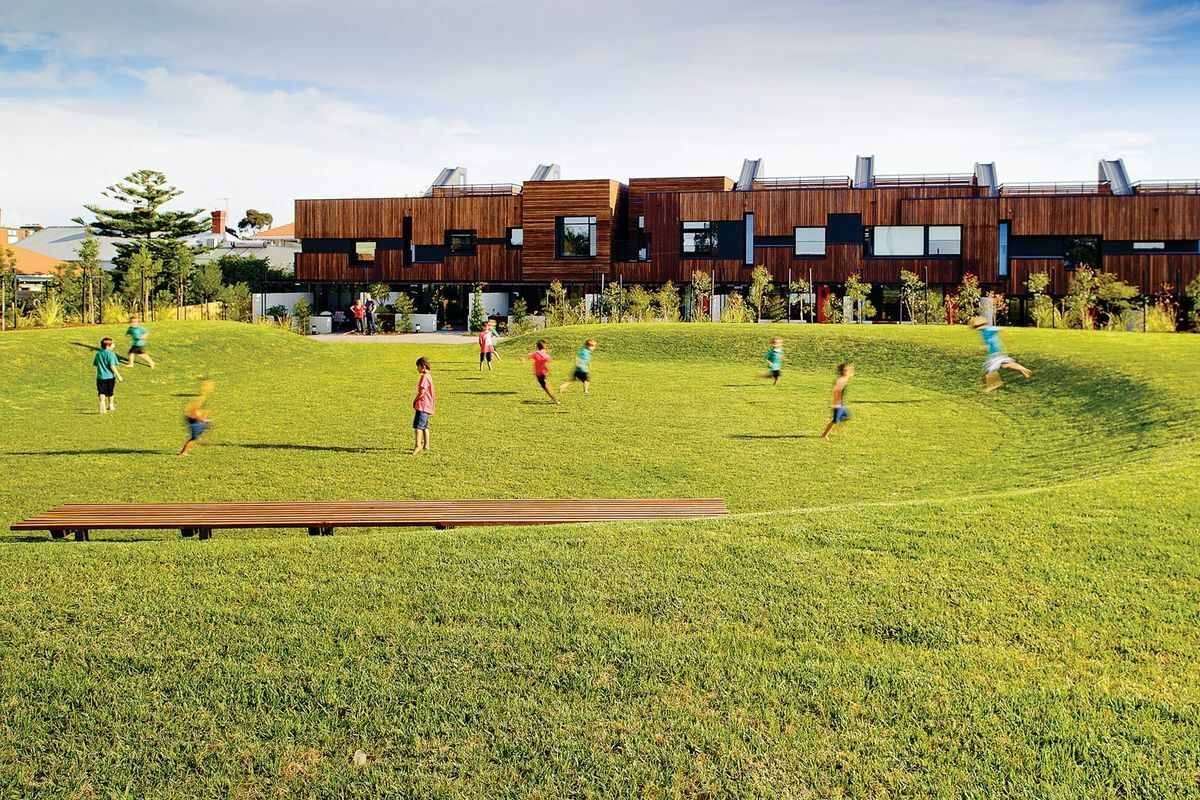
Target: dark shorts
(775, 373)
(840, 414)
(196, 427)
(137, 350)
(421, 421)
(581, 375)
(485, 356)
(106, 386)
(542, 380)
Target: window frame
(465, 232)
(796, 245)
(360, 256)
(560, 227)
(711, 252)
(929, 238)
(509, 238)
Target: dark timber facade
(650, 230)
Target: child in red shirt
(541, 367)
(423, 407)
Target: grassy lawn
(957, 595)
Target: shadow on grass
(772, 436)
(536, 402)
(102, 451)
(312, 448)
(91, 347)
(890, 402)
(485, 392)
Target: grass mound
(958, 594)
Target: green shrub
(736, 309)
(639, 304)
(47, 311)
(475, 321)
(404, 309)
(700, 291)
(858, 291)
(302, 314)
(615, 302)
(666, 301)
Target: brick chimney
(218, 220)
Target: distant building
(34, 270)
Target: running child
(541, 368)
(196, 417)
(583, 367)
(491, 326)
(487, 346)
(422, 407)
(838, 403)
(107, 374)
(774, 359)
(996, 357)
(138, 333)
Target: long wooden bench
(201, 519)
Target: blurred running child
(774, 359)
(996, 357)
(583, 367)
(196, 417)
(491, 326)
(838, 403)
(541, 368)
(107, 374)
(137, 334)
(487, 346)
(423, 407)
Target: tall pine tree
(144, 225)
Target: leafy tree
(140, 276)
(144, 225)
(302, 313)
(833, 309)
(616, 302)
(638, 304)
(799, 288)
(475, 322)
(701, 290)
(255, 220)
(967, 303)
(1193, 295)
(666, 300)
(8, 272)
(254, 271)
(91, 274)
(1043, 307)
(760, 291)
(736, 309)
(207, 283)
(380, 292)
(404, 308)
(179, 267)
(858, 291)
(236, 301)
(557, 309)
(68, 288)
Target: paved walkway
(452, 337)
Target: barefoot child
(541, 367)
(583, 367)
(996, 357)
(196, 417)
(491, 327)
(838, 403)
(487, 347)
(422, 407)
(107, 375)
(137, 334)
(774, 359)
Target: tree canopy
(255, 220)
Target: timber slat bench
(201, 519)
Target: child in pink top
(423, 406)
(541, 367)
(487, 347)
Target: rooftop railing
(806, 182)
(950, 179)
(1083, 187)
(475, 190)
(1167, 187)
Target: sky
(253, 105)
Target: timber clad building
(650, 230)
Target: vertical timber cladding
(490, 216)
(544, 201)
(777, 212)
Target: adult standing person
(360, 312)
(369, 308)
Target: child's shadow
(770, 436)
(93, 348)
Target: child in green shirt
(107, 374)
(137, 334)
(774, 359)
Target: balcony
(808, 182)
(948, 179)
(1166, 187)
(1029, 189)
(475, 190)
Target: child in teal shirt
(107, 375)
(137, 334)
(774, 359)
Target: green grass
(957, 595)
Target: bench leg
(57, 534)
(185, 532)
(442, 526)
(327, 531)
(312, 531)
(320, 530)
(204, 533)
(81, 535)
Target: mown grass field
(959, 595)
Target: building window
(748, 258)
(460, 243)
(516, 237)
(1149, 245)
(1081, 251)
(576, 237)
(945, 240)
(810, 242)
(641, 223)
(1002, 250)
(898, 240)
(643, 253)
(699, 239)
(364, 251)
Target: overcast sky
(263, 102)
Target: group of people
(364, 314)
(106, 362)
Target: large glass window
(364, 251)
(945, 240)
(699, 238)
(810, 242)
(1081, 251)
(461, 243)
(748, 258)
(1003, 250)
(516, 237)
(576, 237)
(898, 240)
